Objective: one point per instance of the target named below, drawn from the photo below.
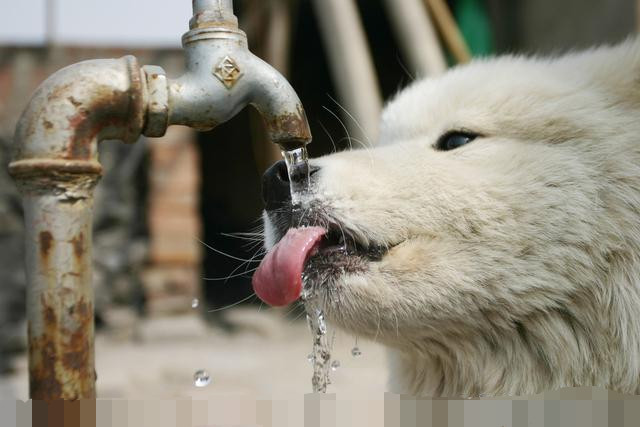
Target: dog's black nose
(275, 186)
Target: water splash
(297, 161)
(309, 322)
(355, 351)
(321, 352)
(195, 303)
(322, 326)
(201, 378)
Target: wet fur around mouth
(340, 252)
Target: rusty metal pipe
(55, 166)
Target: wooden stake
(352, 67)
(450, 31)
(418, 37)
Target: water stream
(297, 161)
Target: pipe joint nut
(157, 113)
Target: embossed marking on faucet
(228, 72)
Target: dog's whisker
(362, 144)
(257, 253)
(293, 308)
(404, 68)
(335, 149)
(247, 238)
(218, 279)
(299, 315)
(357, 123)
(221, 252)
(349, 138)
(253, 295)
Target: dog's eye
(452, 140)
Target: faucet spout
(280, 107)
(223, 77)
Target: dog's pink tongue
(278, 280)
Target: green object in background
(475, 26)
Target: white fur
(515, 260)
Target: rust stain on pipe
(46, 240)
(80, 105)
(289, 130)
(78, 246)
(60, 359)
(44, 384)
(75, 356)
(104, 112)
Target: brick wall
(172, 278)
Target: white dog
(492, 238)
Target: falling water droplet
(311, 358)
(335, 365)
(201, 378)
(309, 323)
(195, 303)
(322, 326)
(356, 352)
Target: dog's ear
(614, 70)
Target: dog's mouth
(339, 241)
(321, 254)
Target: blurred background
(168, 209)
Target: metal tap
(56, 167)
(222, 77)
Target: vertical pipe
(50, 22)
(417, 36)
(200, 6)
(207, 12)
(59, 296)
(351, 65)
(56, 169)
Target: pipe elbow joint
(74, 109)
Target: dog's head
(498, 211)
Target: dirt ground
(265, 356)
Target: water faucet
(55, 165)
(222, 77)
